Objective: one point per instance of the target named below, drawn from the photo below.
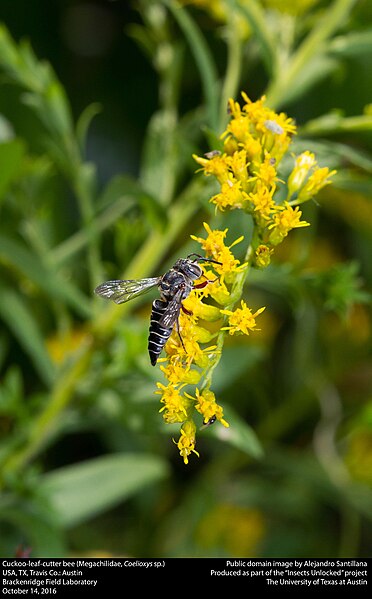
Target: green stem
(46, 423)
(255, 16)
(203, 58)
(80, 239)
(313, 45)
(82, 185)
(233, 68)
(236, 293)
(66, 385)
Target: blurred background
(102, 104)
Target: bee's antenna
(202, 259)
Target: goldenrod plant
(242, 137)
(254, 143)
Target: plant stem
(67, 383)
(233, 69)
(236, 293)
(312, 46)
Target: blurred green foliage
(86, 465)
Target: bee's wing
(172, 311)
(123, 291)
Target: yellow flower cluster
(254, 142)
(191, 351)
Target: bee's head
(191, 267)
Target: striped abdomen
(159, 334)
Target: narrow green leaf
(16, 314)
(239, 434)
(83, 490)
(352, 44)
(203, 58)
(335, 123)
(11, 154)
(317, 69)
(30, 520)
(235, 362)
(313, 47)
(255, 15)
(159, 162)
(332, 153)
(128, 189)
(79, 240)
(59, 107)
(84, 122)
(140, 35)
(6, 129)
(50, 282)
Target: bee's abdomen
(159, 334)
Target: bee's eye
(195, 270)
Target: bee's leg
(178, 329)
(204, 283)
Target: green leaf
(50, 282)
(334, 122)
(84, 122)
(239, 434)
(30, 522)
(59, 107)
(126, 188)
(317, 69)
(203, 58)
(11, 391)
(11, 155)
(15, 312)
(235, 362)
(82, 491)
(352, 44)
(340, 288)
(140, 35)
(6, 129)
(331, 153)
(160, 161)
(254, 13)
(350, 181)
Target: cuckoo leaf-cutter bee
(174, 287)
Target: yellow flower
(60, 345)
(186, 442)
(274, 130)
(307, 178)
(265, 171)
(215, 247)
(285, 219)
(207, 406)
(199, 309)
(263, 256)
(254, 142)
(303, 164)
(189, 350)
(218, 291)
(263, 202)
(230, 195)
(176, 405)
(317, 180)
(237, 530)
(238, 165)
(241, 320)
(176, 372)
(216, 166)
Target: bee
(174, 287)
